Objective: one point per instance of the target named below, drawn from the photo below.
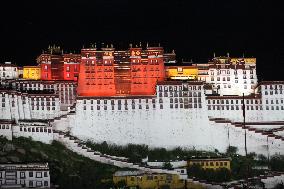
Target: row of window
(273, 86)
(119, 107)
(185, 100)
(232, 107)
(42, 99)
(185, 106)
(119, 101)
(274, 101)
(229, 79)
(4, 126)
(23, 174)
(9, 69)
(222, 101)
(42, 103)
(178, 88)
(219, 72)
(43, 107)
(210, 163)
(273, 92)
(180, 94)
(35, 129)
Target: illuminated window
(179, 69)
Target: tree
(167, 165)
(231, 151)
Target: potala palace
(142, 96)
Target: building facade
(24, 176)
(31, 72)
(8, 71)
(211, 163)
(137, 72)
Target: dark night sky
(195, 29)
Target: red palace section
(107, 72)
(96, 73)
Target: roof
(29, 166)
(128, 173)
(31, 67)
(8, 65)
(6, 121)
(180, 82)
(233, 97)
(210, 159)
(117, 97)
(270, 83)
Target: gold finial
(159, 44)
(214, 55)
(228, 54)
(147, 45)
(107, 45)
(173, 51)
(140, 44)
(130, 45)
(111, 45)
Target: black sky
(195, 29)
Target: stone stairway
(78, 146)
(271, 133)
(270, 180)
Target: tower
(96, 76)
(147, 68)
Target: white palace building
(203, 114)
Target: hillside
(67, 169)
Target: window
(45, 183)
(31, 174)
(38, 183)
(22, 182)
(38, 175)
(31, 184)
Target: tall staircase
(271, 133)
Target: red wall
(96, 76)
(146, 70)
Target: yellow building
(31, 72)
(243, 60)
(211, 163)
(134, 179)
(181, 72)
